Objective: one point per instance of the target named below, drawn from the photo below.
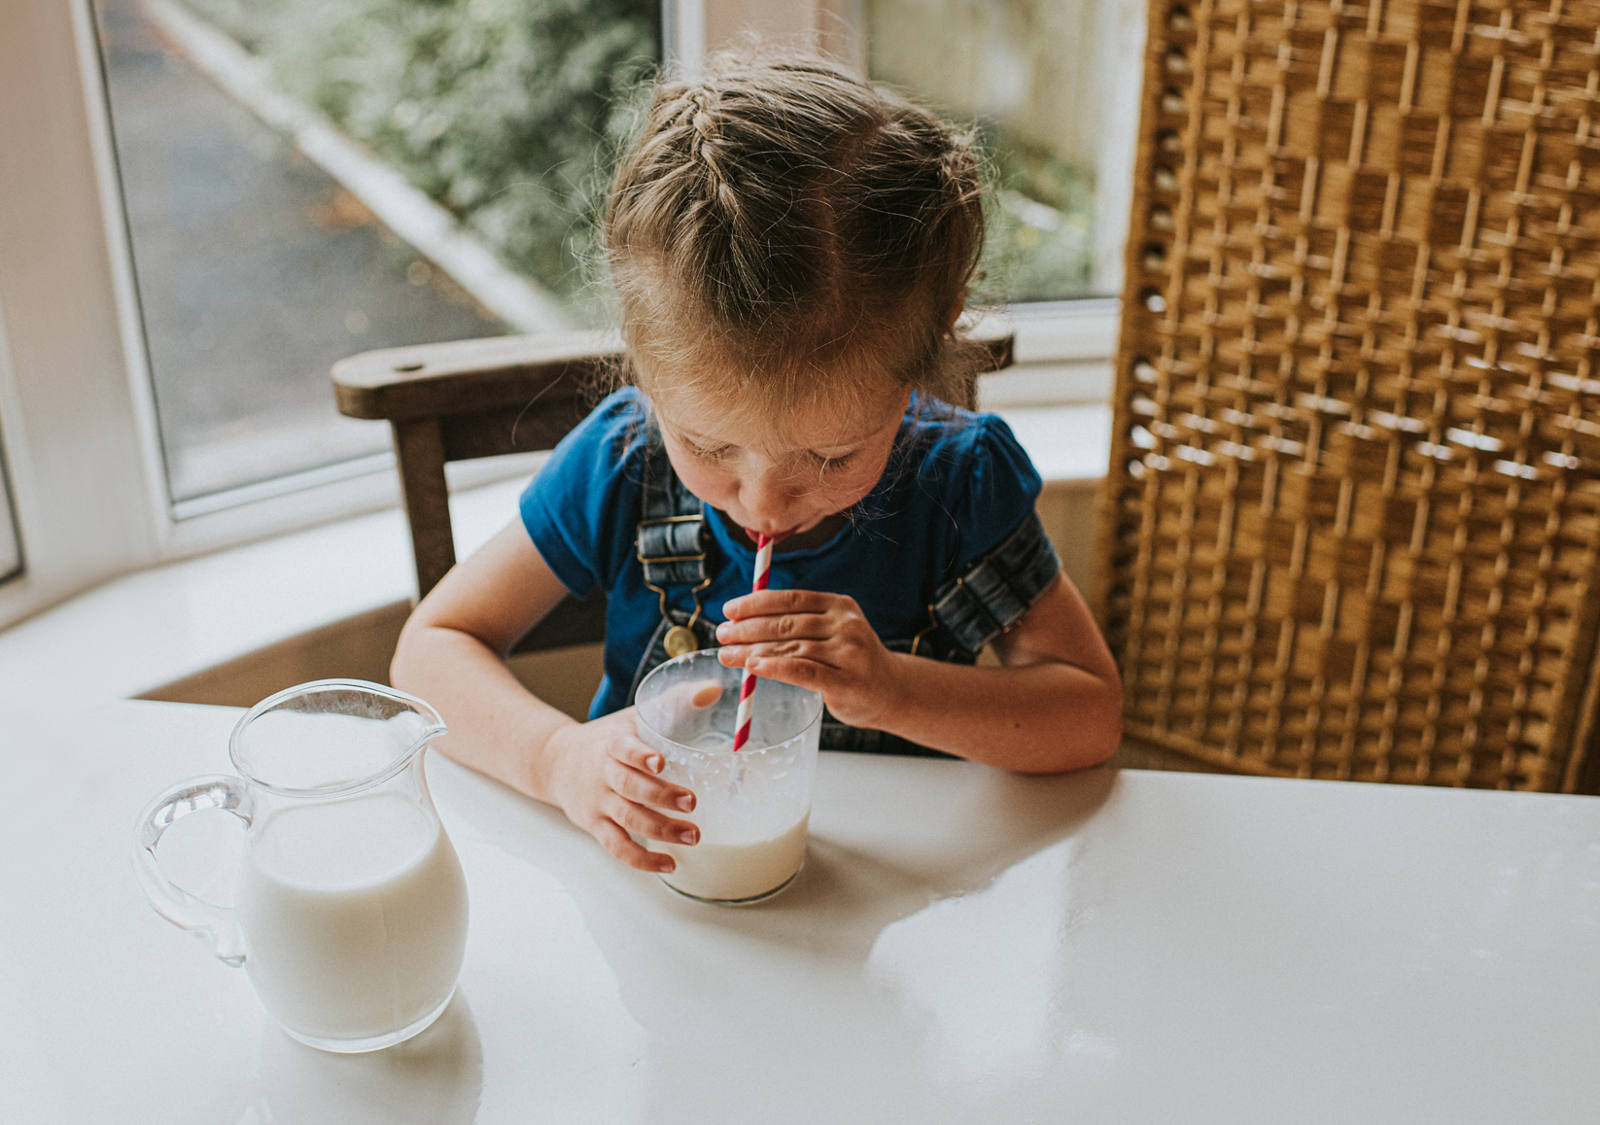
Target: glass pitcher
(351, 913)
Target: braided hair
(780, 220)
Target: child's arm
(452, 653)
(1056, 704)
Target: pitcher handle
(211, 923)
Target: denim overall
(964, 614)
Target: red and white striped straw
(747, 685)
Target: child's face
(781, 481)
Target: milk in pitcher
(354, 916)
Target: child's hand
(813, 640)
(604, 779)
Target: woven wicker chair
(1351, 527)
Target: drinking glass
(752, 807)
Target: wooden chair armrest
(997, 337)
(469, 376)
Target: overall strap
(669, 543)
(992, 594)
(968, 612)
(668, 540)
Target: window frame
(65, 383)
(77, 415)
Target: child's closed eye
(708, 452)
(827, 464)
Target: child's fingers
(646, 822)
(672, 705)
(776, 627)
(692, 694)
(788, 670)
(621, 845)
(852, 699)
(632, 752)
(794, 670)
(764, 602)
(819, 653)
(646, 789)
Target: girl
(791, 249)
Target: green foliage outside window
(511, 113)
(1039, 245)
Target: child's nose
(769, 497)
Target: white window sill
(131, 636)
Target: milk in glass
(731, 868)
(752, 805)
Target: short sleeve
(994, 487)
(581, 507)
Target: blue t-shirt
(956, 484)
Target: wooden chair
(1351, 527)
(468, 399)
(513, 394)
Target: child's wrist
(548, 765)
(899, 698)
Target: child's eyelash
(827, 464)
(823, 463)
(708, 453)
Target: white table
(963, 945)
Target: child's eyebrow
(849, 445)
(686, 433)
(846, 445)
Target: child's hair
(780, 220)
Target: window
(1039, 77)
(163, 364)
(272, 161)
(1053, 87)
